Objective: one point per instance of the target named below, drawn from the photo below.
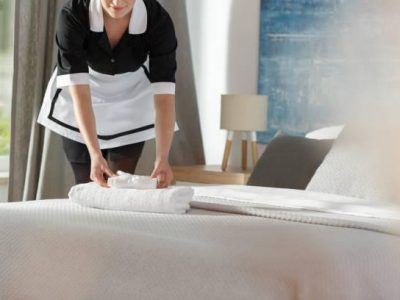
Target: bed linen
(301, 206)
(56, 249)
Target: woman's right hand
(87, 125)
(99, 167)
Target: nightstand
(211, 174)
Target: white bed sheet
(55, 249)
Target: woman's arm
(87, 125)
(164, 126)
(162, 44)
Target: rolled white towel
(129, 181)
(173, 200)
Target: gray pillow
(289, 162)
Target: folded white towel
(174, 200)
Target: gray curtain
(38, 169)
(37, 165)
(187, 147)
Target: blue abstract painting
(302, 69)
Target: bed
(236, 242)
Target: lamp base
(246, 136)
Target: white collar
(137, 23)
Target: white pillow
(326, 133)
(358, 165)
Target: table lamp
(243, 114)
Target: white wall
(224, 36)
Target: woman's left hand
(163, 172)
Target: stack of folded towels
(133, 193)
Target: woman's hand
(164, 124)
(99, 166)
(162, 171)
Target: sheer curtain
(35, 154)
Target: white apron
(123, 105)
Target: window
(6, 71)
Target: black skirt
(78, 153)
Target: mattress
(235, 243)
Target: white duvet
(236, 243)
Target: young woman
(113, 87)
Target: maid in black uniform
(113, 87)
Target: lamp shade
(244, 112)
